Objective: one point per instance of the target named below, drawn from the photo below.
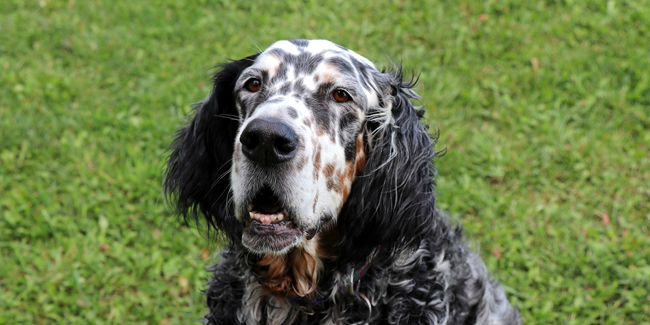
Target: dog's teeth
(267, 218)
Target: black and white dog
(315, 167)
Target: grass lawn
(543, 106)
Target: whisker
(218, 178)
(229, 117)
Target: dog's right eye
(253, 85)
(341, 96)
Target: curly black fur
(423, 273)
(395, 189)
(198, 170)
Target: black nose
(269, 141)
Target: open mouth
(266, 208)
(270, 228)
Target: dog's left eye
(253, 85)
(341, 96)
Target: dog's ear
(197, 179)
(391, 203)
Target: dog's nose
(269, 141)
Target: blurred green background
(543, 106)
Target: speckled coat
(369, 246)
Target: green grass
(544, 107)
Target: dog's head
(306, 135)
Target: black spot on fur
(285, 89)
(299, 88)
(350, 150)
(265, 75)
(279, 53)
(299, 42)
(347, 118)
(306, 63)
(348, 130)
(280, 74)
(341, 64)
(362, 69)
(319, 108)
(292, 112)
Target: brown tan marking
(329, 73)
(345, 179)
(328, 171)
(274, 68)
(360, 157)
(317, 162)
(313, 207)
(332, 184)
(352, 170)
(297, 273)
(304, 158)
(303, 162)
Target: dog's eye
(253, 85)
(341, 96)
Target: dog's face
(305, 136)
(302, 107)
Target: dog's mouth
(266, 208)
(270, 228)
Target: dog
(315, 168)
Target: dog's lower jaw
(262, 246)
(276, 238)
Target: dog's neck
(297, 273)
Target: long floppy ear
(197, 178)
(391, 203)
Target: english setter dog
(316, 168)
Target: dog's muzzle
(268, 142)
